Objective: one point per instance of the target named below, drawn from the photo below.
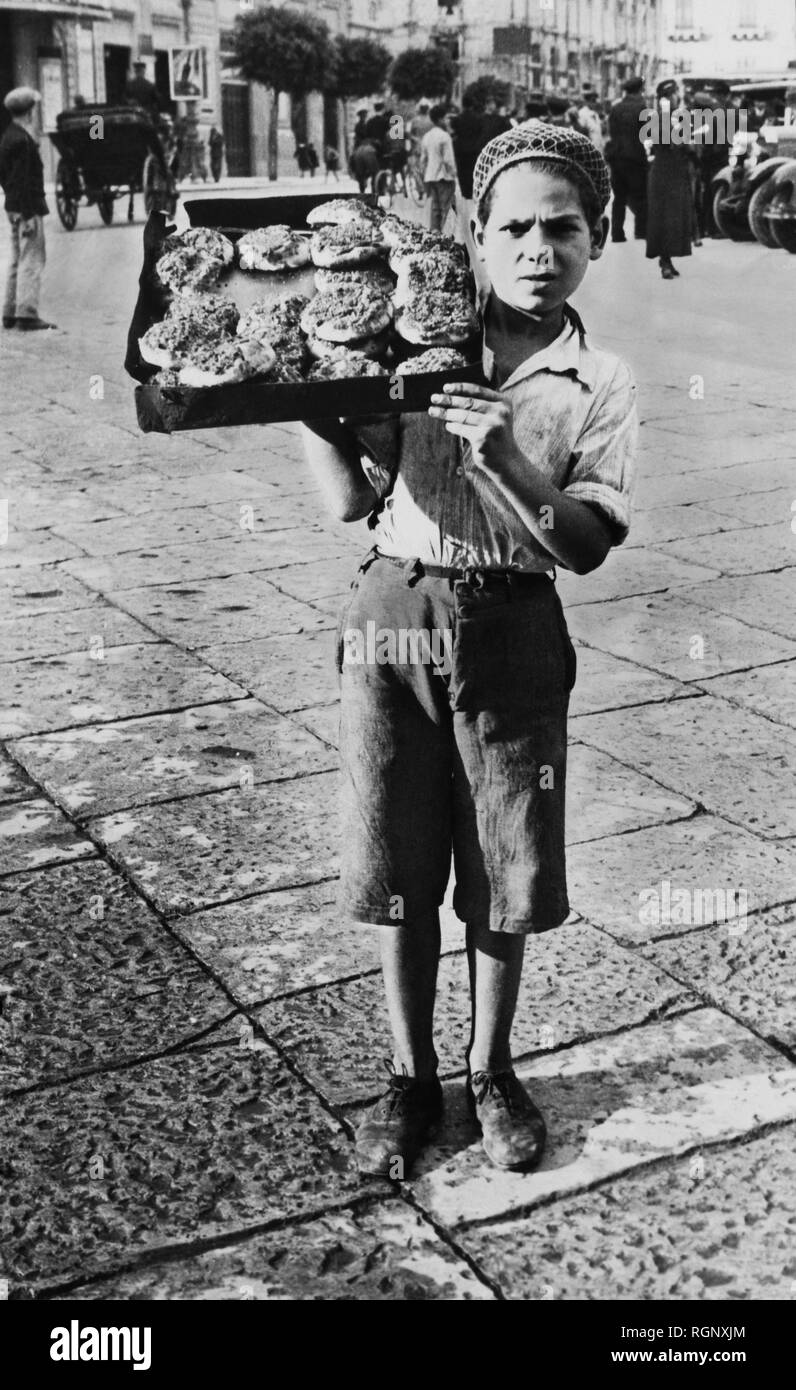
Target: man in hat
(360, 129)
(141, 92)
(377, 127)
(22, 181)
(627, 160)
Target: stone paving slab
(741, 427)
(138, 494)
(277, 943)
(276, 513)
(34, 833)
(749, 551)
(576, 982)
(56, 501)
(14, 785)
(630, 572)
(25, 548)
(678, 489)
(605, 682)
(714, 1227)
(760, 600)
(771, 691)
(124, 533)
(383, 1253)
(72, 688)
(192, 1147)
(77, 630)
(287, 673)
(676, 523)
(613, 1105)
(762, 473)
(235, 609)
(607, 878)
(758, 508)
(95, 983)
(606, 798)
(236, 553)
(332, 580)
(752, 782)
(658, 632)
(323, 721)
(36, 589)
(226, 845)
(750, 973)
(103, 768)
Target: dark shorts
(453, 739)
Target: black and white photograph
(397, 707)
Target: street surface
(189, 1032)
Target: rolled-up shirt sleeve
(378, 450)
(602, 468)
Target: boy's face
(537, 243)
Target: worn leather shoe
(30, 325)
(398, 1126)
(8, 322)
(513, 1130)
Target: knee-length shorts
(453, 741)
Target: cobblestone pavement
(189, 1032)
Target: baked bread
(376, 276)
(436, 359)
(226, 361)
(351, 244)
(433, 270)
(374, 346)
(278, 326)
(338, 211)
(271, 249)
(349, 364)
(395, 230)
(436, 319)
(190, 321)
(193, 261)
(342, 315)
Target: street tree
(488, 88)
(422, 72)
(285, 51)
(360, 66)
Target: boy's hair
(589, 201)
(437, 114)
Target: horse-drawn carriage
(107, 153)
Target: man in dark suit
(22, 181)
(628, 160)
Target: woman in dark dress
(669, 195)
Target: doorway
(235, 126)
(117, 70)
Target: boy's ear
(478, 237)
(599, 236)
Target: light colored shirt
(574, 409)
(436, 155)
(591, 125)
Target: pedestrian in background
(467, 143)
(360, 129)
(312, 158)
(669, 196)
(332, 161)
(216, 146)
(627, 160)
(493, 123)
(22, 181)
(377, 126)
(364, 165)
(438, 167)
(589, 119)
(139, 91)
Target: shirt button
(459, 471)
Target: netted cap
(537, 140)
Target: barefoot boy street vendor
(477, 501)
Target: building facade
(740, 39)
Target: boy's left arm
(578, 524)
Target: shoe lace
(399, 1083)
(494, 1085)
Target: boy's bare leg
(495, 960)
(409, 962)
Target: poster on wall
(51, 86)
(188, 73)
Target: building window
(684, 14)
(747, 14)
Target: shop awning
(77, 9)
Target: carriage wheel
(105, 205)
(66, 196)
(726, 220)
(153, 186)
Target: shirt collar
(568, 354)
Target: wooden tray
(261, 402)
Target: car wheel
(758, 221)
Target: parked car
(740, 190)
